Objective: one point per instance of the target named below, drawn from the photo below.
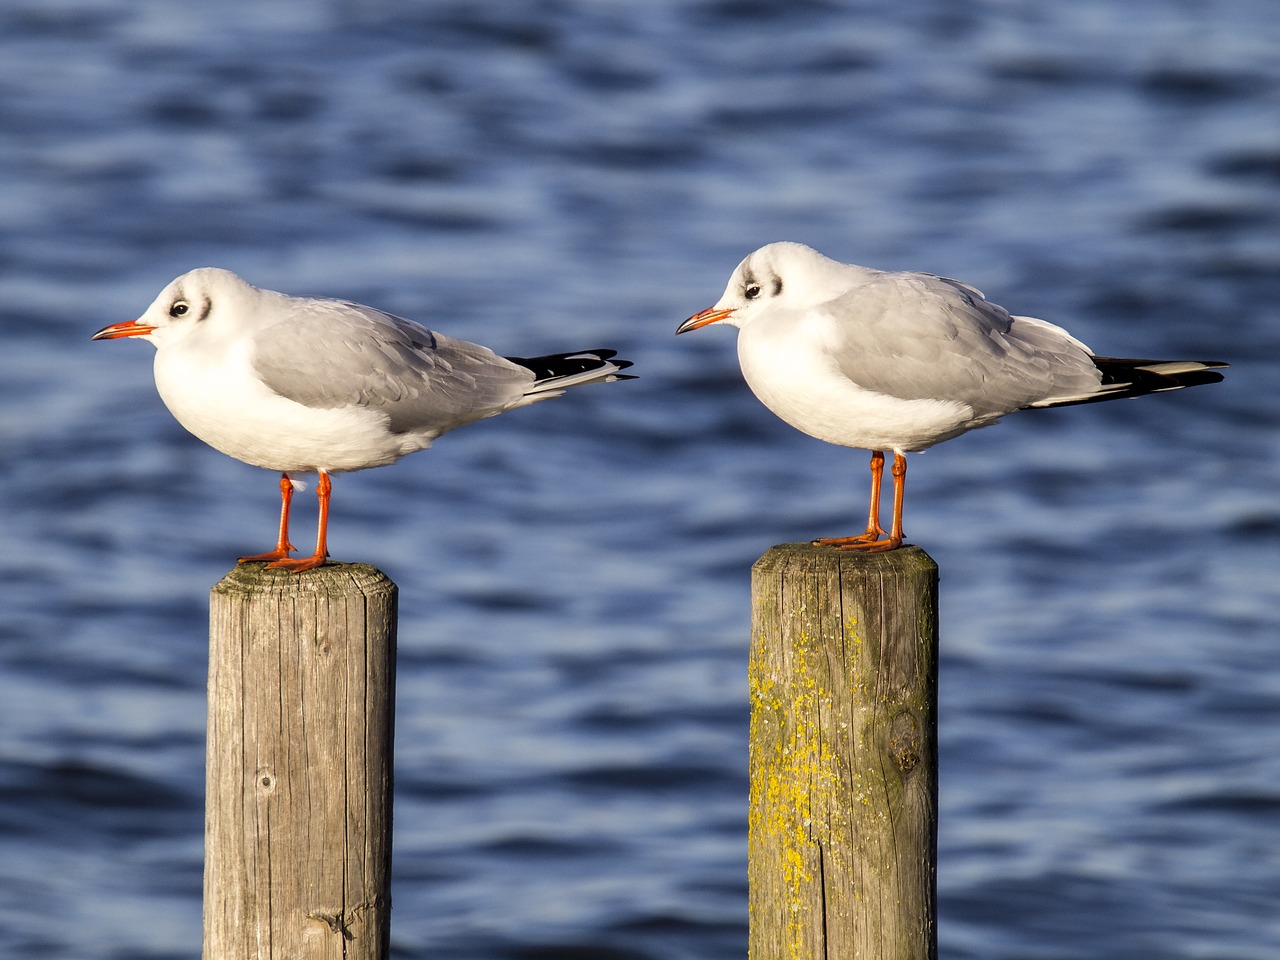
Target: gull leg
(283, 546)
(899, 487)
(317, 559)
(874, 530)
(868, 541)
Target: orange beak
(709, 315)
(130, 328)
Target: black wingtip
(555, 365)
(1135, 377)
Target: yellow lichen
(801, 777)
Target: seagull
(312, 385)
(899, 361)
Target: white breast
(795, 374)
(216, 396)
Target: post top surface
(906, 558)
(331, 579)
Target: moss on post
(843, 819)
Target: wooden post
(298, 795)
(844, 774)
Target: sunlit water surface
(571, 756)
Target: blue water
(571, 731)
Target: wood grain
(843, 817)
(299, 768)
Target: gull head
(203, 299)
(781, 275)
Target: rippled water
(571, 729)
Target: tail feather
(559, 371)
(1133, 378)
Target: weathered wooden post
(844, 775)
(298, 798)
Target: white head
(787, 275)
(187, 305)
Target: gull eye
(752, 291)
(180, 308)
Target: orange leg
(899, 488)
(870, 541)
(317, 559)
(874, 530)
(283, 546)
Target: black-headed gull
(310, 385)
(900, 361)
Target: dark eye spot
(777, 286)
(180, 308)
(752, 291)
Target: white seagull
(900, 361)
(310, 385)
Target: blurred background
(572, 715)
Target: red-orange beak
(130, 328)
(709, 315)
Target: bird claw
(298, 564)
(868, 541)
(861, 540)
(276, 554)
(872, 546)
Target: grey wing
(331, 353)
(915, 336)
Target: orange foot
(279, 553)
(862, 539)
(298, 564)
(866, 541)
